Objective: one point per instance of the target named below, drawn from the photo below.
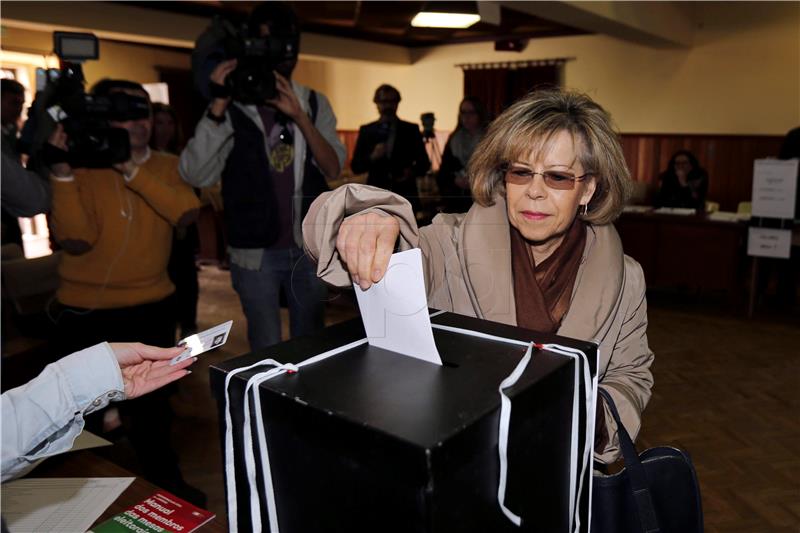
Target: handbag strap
(636, 474)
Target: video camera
(428, 120)
(253, 81)
(257, 57)
(92, 142)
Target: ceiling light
(430, 19)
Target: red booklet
(160, 512)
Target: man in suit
(391, 150)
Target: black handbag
(656, 492)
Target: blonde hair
(529, 126)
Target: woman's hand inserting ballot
(365, 244)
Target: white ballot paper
(395, 310)
(65, 505)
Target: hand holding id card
(203, 341)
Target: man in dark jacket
(391, 150)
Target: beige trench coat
(467, 261)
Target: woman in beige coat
(537, 249)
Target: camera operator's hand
(218, 76)
(58, 139)
(286, 101)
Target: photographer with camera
(273, 144)
(391, 150)
(115, 227)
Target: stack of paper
(685, 211)
(66, 505)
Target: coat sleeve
(628, 378)
(326, 214)
(168, 195)
(436, 241)
(24, 193)
(326, 125)
(73, 219)
(44, 416)
(204, 157)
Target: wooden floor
(727, 389)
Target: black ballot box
(371, 440)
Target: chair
(27, 287)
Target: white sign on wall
(766, 242)
(159, 92)
(774, 187)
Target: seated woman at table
(536, 250)
(452, 176)
(683, 184)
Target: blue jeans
(259, 291)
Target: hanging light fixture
(447, 15)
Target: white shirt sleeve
(326, 124)
(44, 416)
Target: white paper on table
(395, 310)
(83, 441)
(86, 440)
(683, 211)
(728, 216)
(65, 505)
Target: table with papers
(99, 481)
(694, 251)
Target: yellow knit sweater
(118, 235)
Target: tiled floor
(727, 390)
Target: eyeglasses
(561, 181)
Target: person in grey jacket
(273, 159)
(24, 193)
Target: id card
(203, 341)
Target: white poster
(765, 242)
(774, 187)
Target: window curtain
(500, 85)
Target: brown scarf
(543, 292)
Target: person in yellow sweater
(115, 227)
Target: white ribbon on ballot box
(277, 369)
